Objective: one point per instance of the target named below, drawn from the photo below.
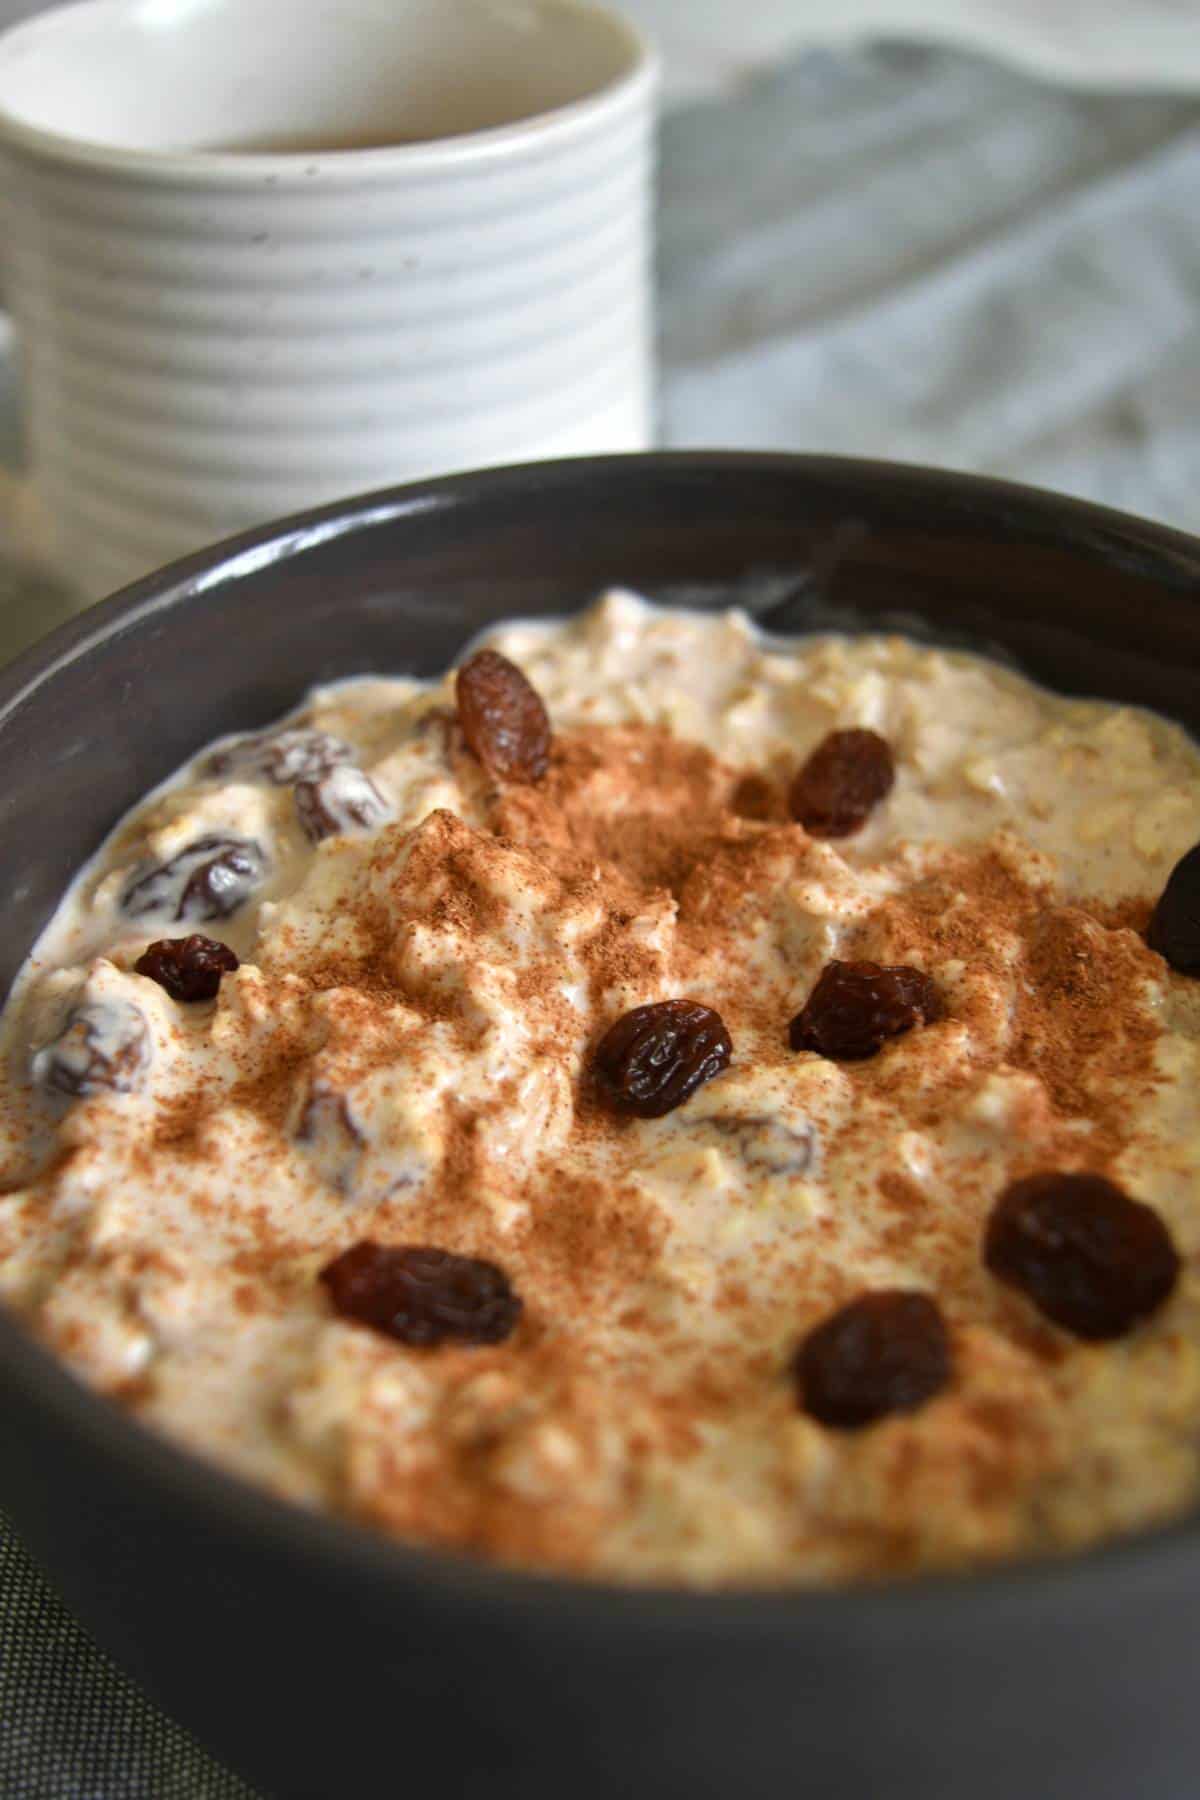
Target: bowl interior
(282, 1637)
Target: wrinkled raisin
(283, 757)
(208, 880)
(422, 1296)
(342, 801)
(1090, 1258)
(767, 1146)
(188, 968)
(326, 1110)
(842, 783)
(502, 717)
(754, 798)
(331, 1135)
(857, 1006)
(886, 1352)
(1174, 929)
(655, 1057)
(104, 1045)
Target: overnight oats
(661, 1103)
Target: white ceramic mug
(226, 314)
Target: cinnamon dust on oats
(630, 826)
(1081, 1017)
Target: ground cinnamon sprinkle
(1082, 1024)
(587, 1242)
(1080, 1019)
(408, 1061)
(633, 799)
(1078, 1023)
(629, 826)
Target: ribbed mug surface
(213, 337)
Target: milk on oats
(402, 1056)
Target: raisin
(331, 1135)
(767, 1146)
(422, 1296)
(857, 1006)
(208, 880)
(502, 718)
(754, 798)
(886, 1352)
(1090, 1258)
(655, 1057)
(842, 783)
(284, 757)
(324, 1111)
(1174, 929)
(188, 968)
(104, 1045)
(342, 801)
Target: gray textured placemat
(72, 1725)
(899, 253)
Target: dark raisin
(502, 718)
(1174, 929)
(342, 801)
(655, 1057)
(857, 1006)
(887, 1352)
(842, 783)
(326, 1112)
(105, 1044)
(421, 1296)
(1090, 1258)
(331, 1135)
(755, 798)
(188, 968)
(767, 1146)
(284, 757)
(208, 880)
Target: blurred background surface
(709, 45)
(949, 231)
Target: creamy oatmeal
(874, 1250)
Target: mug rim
(251, 168)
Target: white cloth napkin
(925, 255)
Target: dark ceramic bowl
(327, 1662)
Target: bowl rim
(1159, 1557)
